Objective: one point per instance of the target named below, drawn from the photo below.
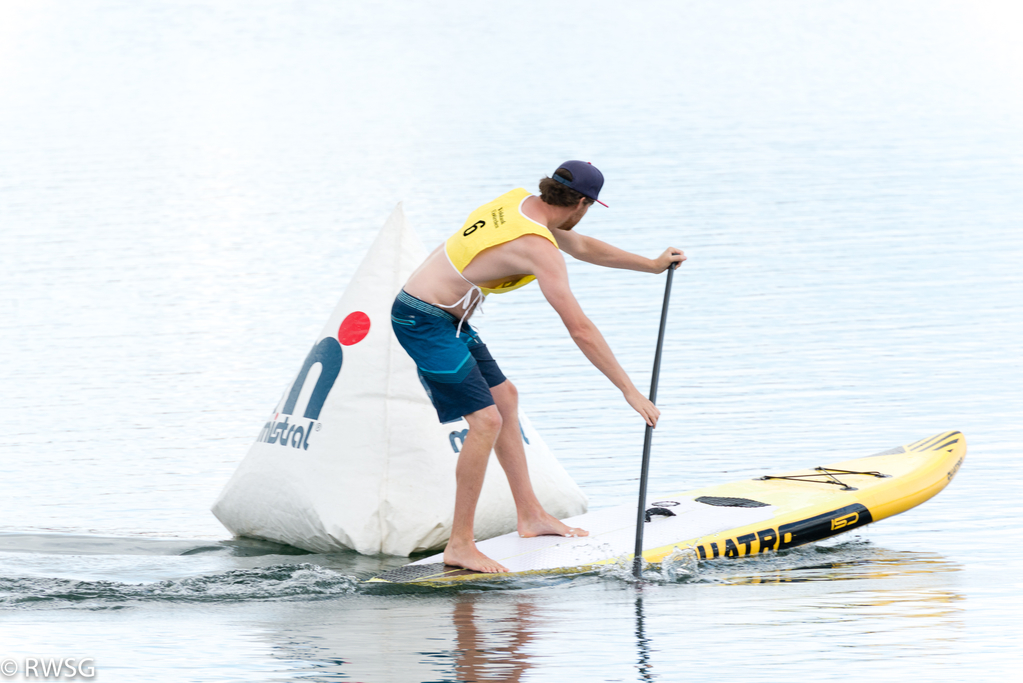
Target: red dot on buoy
(354, 328)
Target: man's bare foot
(544, 524)
(468, 557)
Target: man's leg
(484, 426)
(533, 520)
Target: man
(502, 246)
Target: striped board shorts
(457, 371)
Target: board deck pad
(741, 518)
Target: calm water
(186, 188)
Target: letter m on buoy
(328, 354)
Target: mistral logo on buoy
(327, 352)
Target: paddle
(637, 562)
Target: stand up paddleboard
(741, 518)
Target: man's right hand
(644, 406)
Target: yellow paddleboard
(748, 517)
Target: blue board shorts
(457, 371)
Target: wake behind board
(737, 519)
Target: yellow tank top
(495, 223)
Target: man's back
(439, 282)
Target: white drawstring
(469, 304)
(466, 301)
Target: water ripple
(276, 582)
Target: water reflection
(492, 649)
(314, 623)
(601, 627)
(643, 664)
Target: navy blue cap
(586, 179)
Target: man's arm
(592, 250)
(552, 276)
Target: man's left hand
(671, 255)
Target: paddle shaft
(637, 562)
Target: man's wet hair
(558, 194)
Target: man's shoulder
(511, 197)
(533, 247)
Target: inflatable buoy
(352, 456)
